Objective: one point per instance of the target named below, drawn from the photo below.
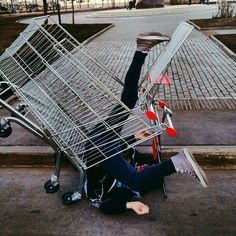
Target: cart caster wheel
(5, 130)
(67, 198)
(51, 187)
(21, 107)
(70, 198)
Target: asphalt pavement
(188, 210)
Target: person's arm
(117, 201)
(137, 136)
(113, 206)
(131, 139)
(141, 135)
(116, 206)
(138, 207)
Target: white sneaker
(184, 162)
(146, 41)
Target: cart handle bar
(171, 131)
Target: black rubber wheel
(5, 131)
(67, 198)
(51, 187)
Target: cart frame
(33, 61)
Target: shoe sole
(198, 170)
(154, 37)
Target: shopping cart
(70, 93)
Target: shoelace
(184, 171)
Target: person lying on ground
(116, 184)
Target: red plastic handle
(162, 104)
(154, 149)
(171, 131)
(151, 115)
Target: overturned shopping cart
(70, 93)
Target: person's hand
(138, 207)
(142, 167)
(141, 134)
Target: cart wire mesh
(150, 84)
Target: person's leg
(152, 176)
(117, 166)
(102, 137)
(129, 94)
(149, 178)
(119, 114)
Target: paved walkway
(167, 10)
(203, 74)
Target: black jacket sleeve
(116, 201)
(130, 140)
